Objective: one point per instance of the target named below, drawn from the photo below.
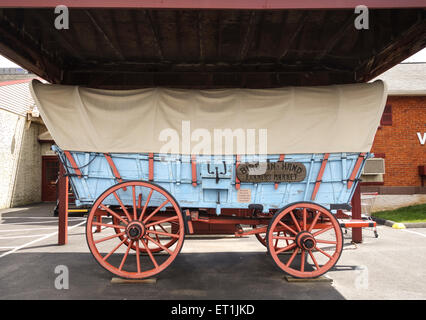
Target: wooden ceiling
(139, 47)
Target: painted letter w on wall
(422, 139)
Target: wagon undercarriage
(139, 240)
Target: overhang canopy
(210, 44)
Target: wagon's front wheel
(313, 241)
(138, 206)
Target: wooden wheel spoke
(295, 221)
(287, 227)
(156, 210)
(276, 240)
(125, 256)
(162, 228)
(163, 233)
(113, 213)
(314, 222)
(323, 252)
(122, 206)
(302, 261)
(283, 238)
(108, 225)
(156, 236)
(138, 262)
(162, 221)
(140, 200)
(110, 237)
(313, 259)
(291, 258)
(289, 247)
(149, 253)
(158, 244)
(322, 230)
(305, 213)
(326, 241)
(134, 203)
(146, 204)
(115, 249)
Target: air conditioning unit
(374, 166)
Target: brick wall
(399, 142)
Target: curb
(390, 223)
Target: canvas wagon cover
(338, 118)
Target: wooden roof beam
(59, 35)
(155, 35)
(217, 4)
(293, 36)
(334, 40)
(26, 54)
(249, 36)
(402, 47)
(107, 39)
(206, 79)
(200, 36)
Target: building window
(387, 116)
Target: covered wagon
(156, 164)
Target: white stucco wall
(392, 202)
(46, 149)
(20, 161)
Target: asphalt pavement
(388, 267)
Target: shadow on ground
(220, 275)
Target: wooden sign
(244, 196)
(271, 172)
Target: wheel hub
(305, 240)
(135, 230)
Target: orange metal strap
(237, 181)
(194, 170)
(73, 163)
(320, 174)
(282, 156)
(355, 170)
(114, 168)
(151, 166)
(189, 222)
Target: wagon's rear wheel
(261, 237)
(313, 243)
(138, 206)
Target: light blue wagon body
(213, 190)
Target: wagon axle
(305, 240)
(135, 230)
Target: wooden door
(50, 170)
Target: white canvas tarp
(339, 118)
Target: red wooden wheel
(262, 237)
(136, 230)
(313, 243)
(167, 242)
